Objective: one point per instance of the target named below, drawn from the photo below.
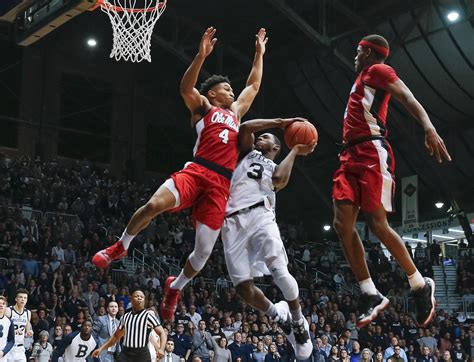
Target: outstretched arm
(245, 99)
(247, 130)
(433, 142)
(163, 335)
(196, 103)
(282, 174)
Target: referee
(135, 327)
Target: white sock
(181, 281)
(126, 239)
(296, 314)
(271, 311)
(416, 280)
(367, 286)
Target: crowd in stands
(49, 253)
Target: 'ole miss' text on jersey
(365, 176)
(204, 183)
(216, 140)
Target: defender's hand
(207, 42)
(261, 41)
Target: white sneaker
(283, 312)
(300, 339)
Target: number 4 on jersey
(225, 136)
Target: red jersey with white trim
(217, 135)
(366, 111)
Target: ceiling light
(453, 16)
(439, 205)
(413, 239)
(91, 42)
(326, 227)
(456, 231)
(443, 237)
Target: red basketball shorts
(366, 176)
(205, 191)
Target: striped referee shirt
(137, 327)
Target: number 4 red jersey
(217, 135)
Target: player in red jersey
(203, 183)
(365, 180)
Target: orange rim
(118, 9)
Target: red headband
(377, 48)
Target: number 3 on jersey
(224, 135)
(256, 171)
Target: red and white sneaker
(170, 300)
(103, 258)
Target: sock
(296, 315)
(126, 239)
(367, 286)
(416, 280)
(271, 311)
(181, 281)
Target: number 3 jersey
(217, 135)
(252, 182)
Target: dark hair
(378, 40)
(21, 291)
(211, 82)
(276, 141)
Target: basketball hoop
(132, 27)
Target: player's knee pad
(204, 243)
(284, 280)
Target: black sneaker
(298, 337)
(369, 307)
(425, 302)
(299, 330)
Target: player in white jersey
(76, 346)
(7, 331)
(20, 317)
(250, 235)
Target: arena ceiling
(309, 72)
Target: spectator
(435, 250)
(344, 355)
(30, 266)
(194, 316)
(425, 355)
(182, 342)
(69, 255)
(390, 351)
(355, 353)
(396, 356)
(202, 342)
(325, 347)
(42, 350)
(169, 355)
(104, 327)
(58, 251)
(272, 355)
(366, 355)
(445, 343)
(458, 354)
(221, 352)
(428, 341)
(259, 354)
(334, 354)
(447, 356)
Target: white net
(132, 27)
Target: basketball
(300, 133)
